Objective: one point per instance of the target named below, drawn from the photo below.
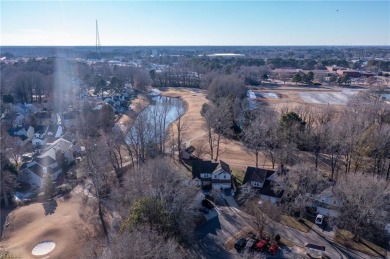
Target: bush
(64, 188)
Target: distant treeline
(221, 63)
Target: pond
(161, 112)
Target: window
(224, 176)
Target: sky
(149, 23)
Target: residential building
(202, 171)
(221, 177)
(34, 171)
(327, 203)
(254, 179)
(215, 175)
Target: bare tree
(181, 125)
(12, 148)
(218, 122)
(200, 148)
(257, 134)
(283, 76)
(8, 178)
(263, 215)
(365, 204)
(144, 244)
(299, 183)
(98, 171)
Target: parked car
(319, 219)
(240, 244)
(204, 210)
(250, 244)
(262, 245)
(273, 249)
(208, 204)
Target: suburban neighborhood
(195, 130)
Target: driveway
(213, 234)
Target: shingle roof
(206, 167)
(256, 174)
(225, 167)
(38, 170)
(269, 190)
(12, 131)
(45, 161)
(40, 129)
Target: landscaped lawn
(345, 238)
(239, 174)
(294, 223)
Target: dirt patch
(345, 238)
(296, 224)
(28, 226)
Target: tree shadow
(373, 249)
(49, 206)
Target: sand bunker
(43, 248)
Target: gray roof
(256, 174)
(205, 167)
(38, 170)
(268, 190)
(45, 161)
(225, 167)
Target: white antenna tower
(97, 39)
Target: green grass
(345, 238)
(294, 223)
(239, 175)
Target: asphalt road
(212, 235)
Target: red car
(273, 249)
(261, 245)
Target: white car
(319, 219)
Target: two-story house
(35, 170)
(215, 175)
(221, 178)
(202, 171)
(254, 179)
(261, 182)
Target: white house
(34, 171)
(36, 141)
(62, 145)
(328, 203)
(208, 173)
(202, 171)
(221, 178)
